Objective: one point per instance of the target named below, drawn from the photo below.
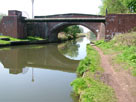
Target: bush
(92, 90)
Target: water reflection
(44, 56)
(69, 48)
(40, 73)
(75, 49)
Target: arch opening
(58, 30)
(76, 31)
(75, 49)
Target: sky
(50, 7)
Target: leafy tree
(118, 6)
(72, 31)
(131, 4)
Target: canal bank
(10, 41)
(24, 62)
(91, 84)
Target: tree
(118, 6)
(72, 31)
(131, 4)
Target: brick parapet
(13, 25)
(119, 23)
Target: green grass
(29, 38)
(91, 62)
(90, 88)
(124, 48)
(11, 38)
(4, 42)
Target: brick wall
(13, 25)
(119, 23)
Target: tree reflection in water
(69, 48)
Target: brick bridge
(104, 27)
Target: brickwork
(13, 25)
(119, 23)
(53, 28)
(36, 29)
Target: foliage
(91, 62)
(79, 85)
(89, 88)
(92, 90)
(124, 46)
(118, 6)
(72, 31)
(83, 66)
(132, 30)
(131, 4)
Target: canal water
(40, 73)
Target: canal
(40, 73)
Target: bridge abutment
(101, 33)
(13, 25)
(118, 24)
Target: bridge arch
(53, 36)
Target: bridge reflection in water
(43, 56)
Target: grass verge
(123, 47)
(2, 42)
(88, 85)
(8, 39)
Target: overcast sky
(49, 7)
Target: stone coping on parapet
(68, 15)
(66, 19)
